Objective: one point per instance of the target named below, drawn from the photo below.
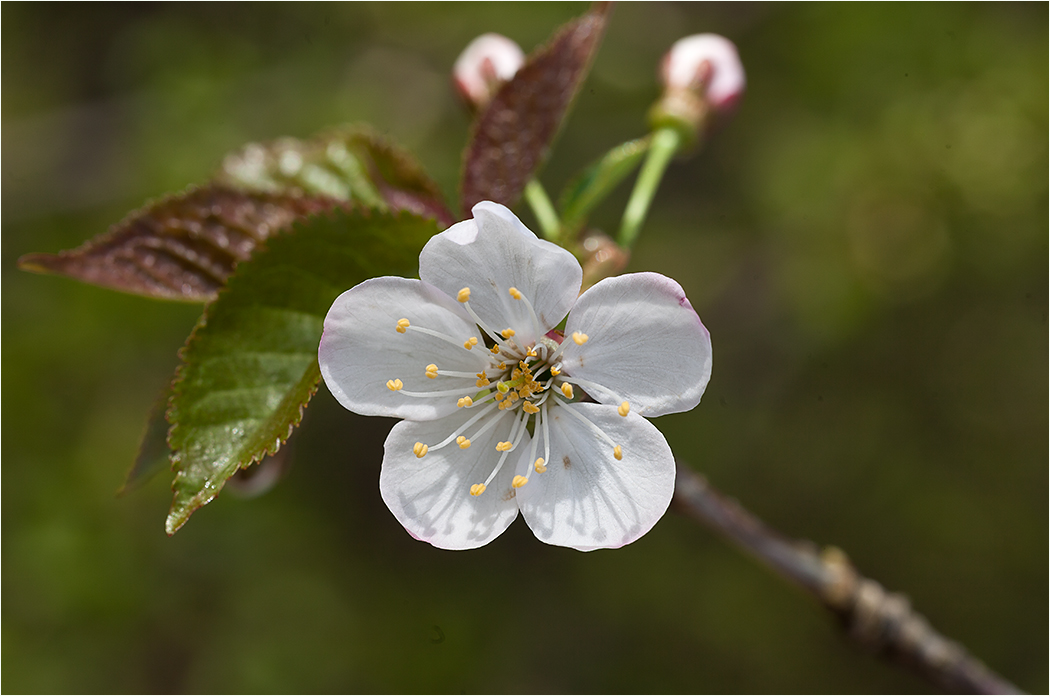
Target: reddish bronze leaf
(352, 163)
(513, 133)
(185, 246)
(401, 180)
(182, 247)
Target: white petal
(430, 496)
(493, 253)
(645, 344)
(361, 349)
(586, 499)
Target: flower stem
(665, 144)
(883, 622)
(543, 209)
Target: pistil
(508, 382)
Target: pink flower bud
(487, 62)
(706, 61)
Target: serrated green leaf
(250, 365)
(598, 180)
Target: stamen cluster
(519, 378)
(502, 413)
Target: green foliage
(351, 163)
(184, 246)
(250, 365)
(598, 180)
(154, 455)
(513, 133)
(896, 410)
(181, 247)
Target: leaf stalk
(666, 142)
(543, 209)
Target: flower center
(518, 380)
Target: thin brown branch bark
(880, 621)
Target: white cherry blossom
(503, 413)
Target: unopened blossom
(486, 62)
(502, 413)
(706, 61)
(703, 80)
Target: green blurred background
(867, 241)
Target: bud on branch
(701, 74)
(487, 62)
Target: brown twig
(880, 621)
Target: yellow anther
(432, 371)
(538, 466)
(519, 481)
(394, 384)
(507, 333)
(463, 442)
(503, 446)
(419, 449)
(465, 402)
(580, 338)
(624, 409)
(531, 352)
(513, 396)
(499, 397)
(495, 350)
(502, 387)
(470, 343)
(618, 453)
(529, 407)
(463, 295)
(566, 389)
(515, 293)
(483, 382)
(555, 371)
(402, 325)
(477, 489)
